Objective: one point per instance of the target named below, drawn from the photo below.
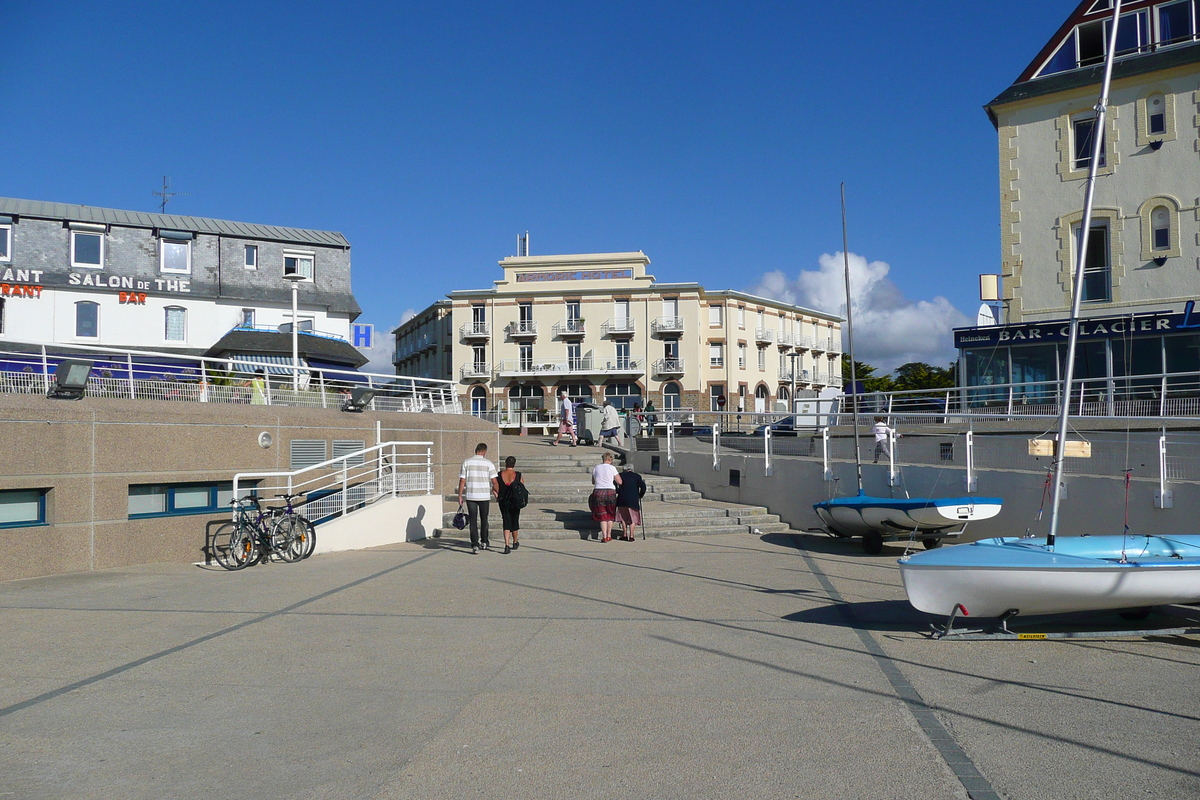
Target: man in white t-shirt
(566, 419)
(882, 435)
(477, 484)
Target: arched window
(478, 400)
(87, 319)
(1160, 225)
(671, 396)
(761, 395)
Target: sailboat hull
(1081, 573)
(857, 516)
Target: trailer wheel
(932, 543)
(872, 543)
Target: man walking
(882, 439)
(566, 419)
(478, 479)
(610, 424)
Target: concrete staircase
(559, 485)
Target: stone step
(585, 522)
(581, 494)
(497, 537)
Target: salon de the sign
(1130, 325)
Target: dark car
(782, 427)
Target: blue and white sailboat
(877, 518)
(1001, 577)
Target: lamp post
(292, 275)
(793, 356)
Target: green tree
(917, 375)
(866, 375)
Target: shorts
(565, 427)
(611, 432)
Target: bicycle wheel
(310, 536)
(243, 546)
(287, 540)
(222, 543)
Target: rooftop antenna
(165, 195)
(522, 244)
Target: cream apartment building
(600, 327)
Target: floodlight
(70, 379)
(358, 400)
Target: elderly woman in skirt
(603, 500)
(629, 502)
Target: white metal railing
(617, 326)
(569, 327)
(475, 370)
(575, 366)
(149, 375)
(474, 329)
(668, 366)
(764, 334)
(805, 342)
(667, 324)
(340, 485)
(522, 327)
(784, 338)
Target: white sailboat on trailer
(877, 518)
(1005, 576)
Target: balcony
(819, 343)
(522, 329)
(475, 330)
(802, 342)
(519, 368)
(785, 339)
(569, 328)
(667, 325)
(668, 366)
(764, 335)
(617, 327)
(475, 371)
(802, 375)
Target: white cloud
(889, 329)
(380, 356)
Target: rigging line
(1125, 534)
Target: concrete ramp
(388, 520)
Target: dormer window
(1176, 22)
(1087, 44)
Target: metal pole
(1084, 231)
(295, 336)
(767, 450)
(716, 434)
(670, 444)
(850, 341)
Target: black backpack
(518, 495)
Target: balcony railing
(820, 344)
(785, 338)
(571, 366)
(668, 366)
(667, 325)
(476, 370)
(522, 327)
(617, 326)
(803, 342)
(802, 375)
(474, 330)
(764, 334)
(569, 327)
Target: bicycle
(250, 539)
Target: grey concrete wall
(87, 453)
(1094, 503)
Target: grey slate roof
(266, 342)
(141, 219)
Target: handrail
(366, 479)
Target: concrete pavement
(718, 666)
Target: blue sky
(710, 135)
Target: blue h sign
(363, 336)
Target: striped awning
(252, 362)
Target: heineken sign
(1131, 325)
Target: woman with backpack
(512, 498)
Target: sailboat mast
(1080, 259)
(850, 336)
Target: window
(479, 358)
(525, 357)
(574, 356)
(20, 508)
(306, 452)
(525, 398)
(251, 261)
(572, 310)
(298, 263)
(577, 392)
(670, 308)
(1160, 223)
(671, 396)
(671, 350)
(762, 358)
(478, 401)
(1097, 269)
(6, 242)
(623, 395)
(1084, 144)
(1175, 22)
(716, 355)
(741, 356)
(87, 320)
(623, 355)
(175, 252)
(177, 499)
(714, 315)
(87, 249)
(176, 324)
(716, 394)
(621, 312)
(248, 317)
(1156, 114)
(741, 316)
(525, 312)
